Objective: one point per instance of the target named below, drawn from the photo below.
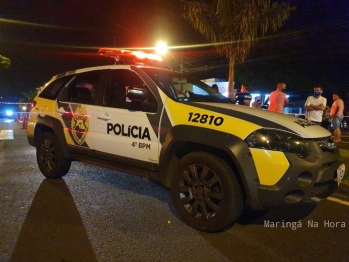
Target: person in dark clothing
(243, 97)
(215, 87)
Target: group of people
(316, 107)
(319, 113)
(277, 99)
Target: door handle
(61, 111)
(104, 117)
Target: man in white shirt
(314, 105)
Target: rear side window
(83, 89)
(119, 82)
(51, 91)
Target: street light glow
(161, 48)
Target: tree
(234, 25)
(4, 62)
(28, 96)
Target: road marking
(6, 134)
(343, 202)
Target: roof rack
(122, 56)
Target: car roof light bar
(113, 52)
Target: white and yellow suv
(216, 157)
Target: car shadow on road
(120, 180)
(279, 214)
(128, 182)
(53, 229)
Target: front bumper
(306, 181)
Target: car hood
(267, 119)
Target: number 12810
(203, 119)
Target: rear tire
(206, 192)
(50, 158)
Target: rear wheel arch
(50, 158)
(39, 130)
(42, 125)
(52, 125)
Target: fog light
(304, 179)
(293, 197)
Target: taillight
(32, 105)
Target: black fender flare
(47, 123)
(232, 148)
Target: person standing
(315, 105)
(337, 117)
(278, 99)
(215, 87)
(257, 102)
(244, 97)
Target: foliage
(4, 62)
(233, 26)
(28, 96)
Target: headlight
(278, 141)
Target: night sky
(43, 38)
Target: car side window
(116, 92)
(83, 88)
(52, 90)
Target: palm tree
(234, 25)
(28, 97)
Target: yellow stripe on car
(264, 160)
(183, 114)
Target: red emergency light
(124, 54)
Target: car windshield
(184, 88)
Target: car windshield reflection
(183, 88)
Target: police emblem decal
(80, 125)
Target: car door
(123, 126)
(76, 108)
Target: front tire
(206, 192)
(49, 156)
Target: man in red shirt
(278, 99)
(337, 116)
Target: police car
(216, 157)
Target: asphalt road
(97, 214)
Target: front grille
(320, 191)
(327, 144)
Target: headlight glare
(9, 112)
(278, 141)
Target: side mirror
(137, 94)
